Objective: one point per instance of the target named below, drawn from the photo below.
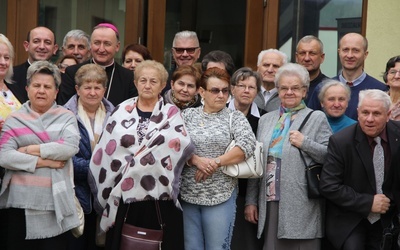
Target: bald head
(356, 38)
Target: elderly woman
(134, 54)
(185, 84)
(91, 110)
(279, 204)
(391, 76)
(334, 97)
(145, 143)
(208, 195)
(9, 101)
(36, 148)
(245, 84)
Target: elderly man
(104, 45)
(356, 178)
(41, 46)
(269, 61)
(77, 44)
(310, 54)
(353, 50)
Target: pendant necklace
(201, 124)
(4, 91)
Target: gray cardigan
(299, 217)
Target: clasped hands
(205, 167)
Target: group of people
(127, 138)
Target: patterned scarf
(281, 129)
(121, 167)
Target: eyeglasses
(293, 89)
(243, 87)
(393, 72)
(180, 51)
(62, 66)
(216, 91)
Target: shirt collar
(253, 109)
(356, 81)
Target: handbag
(78, 231)
(390, 236)
(313, 170)
(139, 238)
(252, 167)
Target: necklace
(4, 90)
(203, 117)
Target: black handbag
(390, 236)
(313, 170)
(139, 238)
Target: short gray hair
(245, 73)
(267, 51)
(310, 38)
(43, 67)
(376, 95)
(186, 34)
(293, 69)
(330, 83)
(77, 35)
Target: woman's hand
(205, 165)
(1, 124)
(47, 163)
(251, 214)
(30, 149)
(296, 138)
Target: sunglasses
(216, 91)
(190, 51)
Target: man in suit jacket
(41, 46)
(104, 45)
(348, 176)
(268, 62)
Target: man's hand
(381, 204)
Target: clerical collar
(104, 67)
(110, 80)
(29, 62)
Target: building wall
(383, 34)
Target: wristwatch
(218, 161)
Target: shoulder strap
(230, 124)
(305, 120)
(157, 205)
(301, 126)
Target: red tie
(350, 84)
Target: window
(329, 20)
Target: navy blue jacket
(82, 159)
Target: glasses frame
(294, 90)
(224, 91)
(393, 72)
(243, 87)
(181, 51)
